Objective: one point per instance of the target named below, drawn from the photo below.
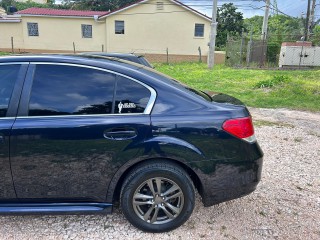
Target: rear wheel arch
(115, 189)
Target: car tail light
(241, 128)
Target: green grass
(4, 53)
(296, 89)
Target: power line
(178, 11)
(207, 7)
(278, 10)
(275, 10)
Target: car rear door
(12, 76)
(76, 126)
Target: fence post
(12, 48)
(200, 55)
(167, 56)
(227, 51)
(241, 47)
(249, 48)
(102, 48)
(74, 48)
(262, 50)
(301, 54)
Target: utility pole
(311, 18)
(306, 30)
(265, 21)
(213, 35)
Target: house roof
(60, 12)
(138, 2)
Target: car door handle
(120, 134)
(1, 139)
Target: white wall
(148, 30)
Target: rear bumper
(231, 181)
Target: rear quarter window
(8, 76)
(131, 96)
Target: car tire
(157, 197)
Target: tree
(28, 4)
(229, 22)
(280, 27)
(315, 38)
(254, 24)
(97, 5)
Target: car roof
(77, 59)
(113, 54)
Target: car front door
(11, 80)
(76, 126)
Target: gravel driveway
(286, 204)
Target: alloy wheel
(158, 200)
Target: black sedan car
(79, 134)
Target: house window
(86, 31)
(33, 29)
(199, 30)
(119, 27)
(159, 5)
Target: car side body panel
(6, 184)
(7, 192)
(69, 158)
(88, 167)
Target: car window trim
(82, 115)
(17, 89)
(23, 109)
(13, 63)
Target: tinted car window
(8, 76)
(131, 97)
(69, 90)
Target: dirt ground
(286, 204)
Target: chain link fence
(273, 51)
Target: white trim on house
(123, 9)
(191, 10)
(10, 20)
(142, 2)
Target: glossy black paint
(6, 184)
(75, 150)
(125, 56)
(83, 159)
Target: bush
(276, 80)
(273, 50)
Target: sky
(251, 8)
